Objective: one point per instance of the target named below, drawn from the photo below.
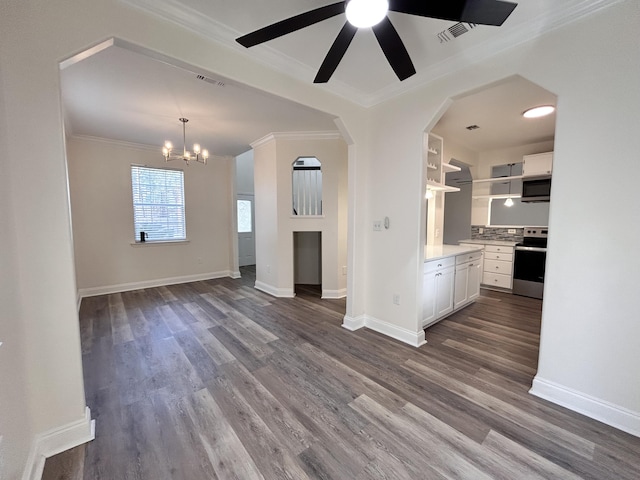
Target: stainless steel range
(529, 263)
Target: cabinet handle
(439, 264)
(471, 264)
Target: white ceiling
(124, 95)
(364, 76)
(497, 110)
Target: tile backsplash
(496, 233)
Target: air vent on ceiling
(472, 127)
(455, 31)
(217, 83)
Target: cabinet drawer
(505, 257)
(498, 249)
(496, 280)
(435, 265)
(468, 257)
(498, 266)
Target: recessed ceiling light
(540, 111)
(366, 13)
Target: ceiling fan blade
(291, 24)
(394, 49)
(482, 12)
(335, 54)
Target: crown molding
(175, 12)
(133, 145)
(563, 13)
(296, 136)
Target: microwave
(536, 189)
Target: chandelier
(186, 155)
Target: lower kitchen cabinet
(450, 284)
(437, 290)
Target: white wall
(244, 173)
(274, 248)
(590, 328)
(102, 212)
(490, 158)
(34, 38)
(16, 429)
(588, 355)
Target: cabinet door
(473, 281)
(460, 290)
(538, 164)
(429, 298)
(444, 292)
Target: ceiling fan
(483, 12)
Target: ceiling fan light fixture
(540, 111)
(366, 13)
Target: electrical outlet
(437, 232)
(481, 231)
(396, 299)
(344, 270)
(511, 230)
(377, 225)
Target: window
(244, 216)
(307, 186)
(158, 203)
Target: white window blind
(158, 203)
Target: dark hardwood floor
(216, 380)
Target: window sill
(158, 243)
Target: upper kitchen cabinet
(537, 165)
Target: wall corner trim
(275, 291)
(601, 410)
(353, 323)
(334, 294)
(415, 339)
(58, 440)
(235, 275)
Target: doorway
(246, 228)
(307, 263)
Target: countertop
(505, 243)
(443, 251)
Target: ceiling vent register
(217, 83)
(455, 31)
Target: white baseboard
(334, 294)
(275, 291)
(159, 282)
(415, 339)
(353, 323)
(58, 440)
(601, 410)
(235, 275)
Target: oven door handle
(532, 249)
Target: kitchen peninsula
(451, 280)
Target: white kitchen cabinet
(498, 266)
(482, 255)
(437, 290)
(467, 281)
(537, 164)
